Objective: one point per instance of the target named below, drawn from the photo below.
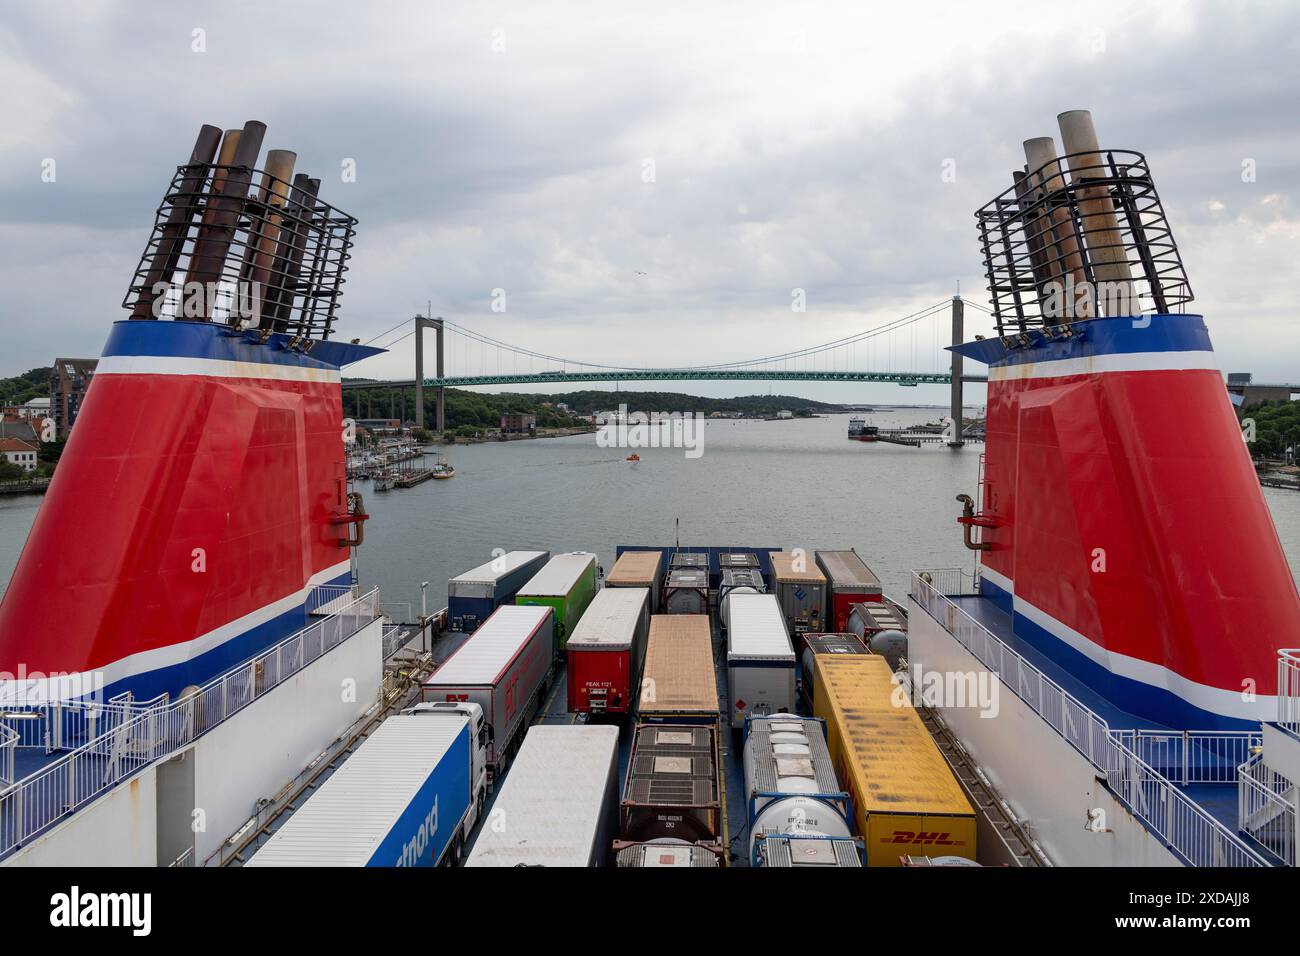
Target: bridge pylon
(958, 333)
(423, 322)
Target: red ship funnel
(1123, 526)
(202, 495)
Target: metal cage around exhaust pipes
(1032, 273)
(282, 268)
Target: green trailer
(566, 584)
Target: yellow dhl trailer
(906, 801)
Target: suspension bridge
(488, 361)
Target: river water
(778, 484)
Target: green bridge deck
(675, 375)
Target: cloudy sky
(505, 146)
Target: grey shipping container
(800, 586)
(559, 803)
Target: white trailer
(559, 803)
(409, 796)
(760, 660)
(503, 668)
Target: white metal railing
(8, 747)
(136, 735)
(1194, 756)
(396, 636)
(1266, 808)
(1288, 689)
(1185, 826)
(185, 860)
(951, 581)
(324, 595)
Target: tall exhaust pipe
(225, 159)
(289, 255)
(1102, 236)
(220, 219)
(1035, 226)
(310, 282)
(174, 231)
(1060, 244)
(260, 256)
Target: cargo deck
(553, 710)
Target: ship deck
(1218, 799)
(987, 613)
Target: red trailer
(606, 652)
(849, 582)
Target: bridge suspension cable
(891, 326)
(846, 342)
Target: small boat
(383, 481)
(633, 457)
(442, 470)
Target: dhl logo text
(911, 836)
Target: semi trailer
(409, 796)
(638, 569)
(503, 668)
(559, 803)
(814, 644)
(906, 799)
(800, 587)
(848, 581)
(760, 660)
(606, 652)
(473, 595)
(566, 584)
(678, 682)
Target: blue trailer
(474, 595)
(408, 797)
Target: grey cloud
(523, 171)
